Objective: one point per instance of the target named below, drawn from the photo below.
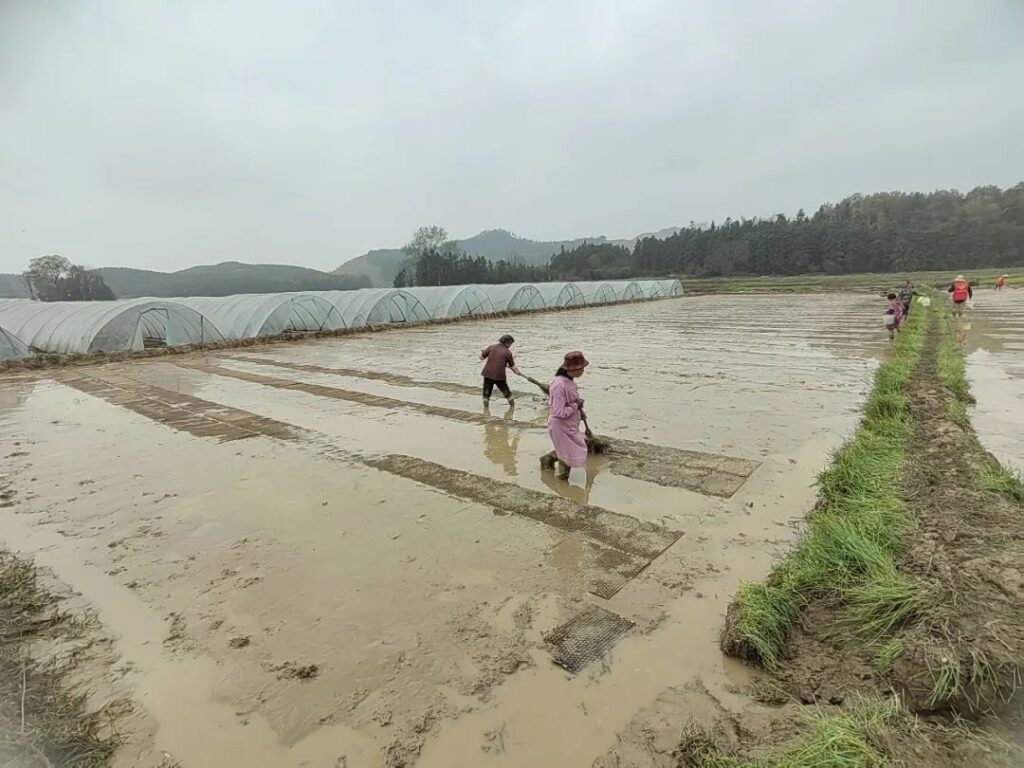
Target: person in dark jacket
(497, 360)
(907, 297)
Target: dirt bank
(48, 715)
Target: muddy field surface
(328, 554)
(994, 337)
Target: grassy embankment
(853, 534)
(874, 282)
(914, 560)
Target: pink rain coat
(564, 422)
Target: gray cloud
(174, 132)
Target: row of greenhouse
(69, 327)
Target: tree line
(883, 232)
(434, 259)
(55, 278)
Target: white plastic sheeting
(514, 297)
(80, 327)
(110, 326)
(454, 300)
(253, 315)
(377, 306)
(627, 290)
(673, 288)
(660, 289)
(597, 292)
(561, 294)
(11, 347)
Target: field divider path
(395, 379)
(902, 602)
(706, 473)
(617, 547)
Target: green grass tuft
(950, 361)
(857, 529)
(844, 740)
(887, 653)
(884, 602)
(1000, 479)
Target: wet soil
(233, 536)
(701, 472)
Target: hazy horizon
(168, 134)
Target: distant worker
(907, 297)
(497, 358)
(960, 291)
(893, 315)
(564, 416)
(1001, 282)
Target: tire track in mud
(706, 473)
(617, 547)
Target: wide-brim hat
(575, 361)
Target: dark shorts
(501, 384)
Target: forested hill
(381, 265)
(223, 280)
(884, 232)
(13, 287)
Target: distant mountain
(223, 280)
(661, 234)
(13, 287)
(380, 266)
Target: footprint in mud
(291, 670)
(177, 635)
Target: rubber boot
(547, 462)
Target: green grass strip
(857, 528)
(844, 740)
(953, 373)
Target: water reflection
(564, 488)
(13, 394)
(501, 445)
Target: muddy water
(994, 336)
(231, 533)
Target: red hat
(575, 361)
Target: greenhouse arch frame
(81, 327)
(515, 297)
(256, 315)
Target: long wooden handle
(543, 387)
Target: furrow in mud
(706, 473)
(361, 373)
(179, 411)
(625, 536)
(617, 547)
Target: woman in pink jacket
(564, 418)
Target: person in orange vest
(1000, 282)
(960, 291)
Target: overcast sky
(166, 133)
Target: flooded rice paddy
(327, 553)
(994, 337)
